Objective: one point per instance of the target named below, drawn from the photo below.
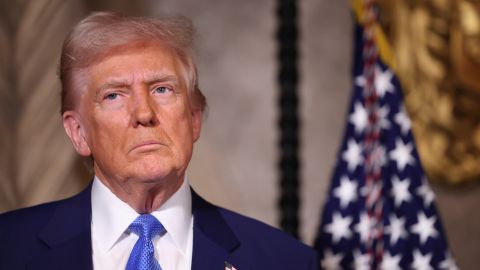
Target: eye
(161, 89)
(111, 96)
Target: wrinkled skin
(136, 120)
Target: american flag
(379, 212)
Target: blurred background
(437, 46)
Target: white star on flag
(339, 228)
(353, 155)
(448, 263)
(346, 192)
(331, 261)
(420, 261)
(390, 262)
(396, 229)
(402, 154)
(383, 81)
(361, 261)
(400, 191)
(426, 193)
(402, 120)
(383, 117)
(365, 227)
(424, 227)
(359, 117)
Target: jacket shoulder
(27, 220)
(34, 217)
(21, 230)
(270, 242)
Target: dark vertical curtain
(288, 120)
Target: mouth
(147, 146)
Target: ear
(74, 130)
(196, 123)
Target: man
(131, 104)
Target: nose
(143, 113)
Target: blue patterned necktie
(143, 255)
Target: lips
(149, 145)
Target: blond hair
(97, 35)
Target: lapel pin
(228, 266)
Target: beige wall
(234, 162)
(35, 156)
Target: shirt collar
(111, 216)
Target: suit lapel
(207, 254)
(68, 235)
(214, 242)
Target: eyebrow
(119, 82)
(162, 78)
(113, 83)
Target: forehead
(138, 62)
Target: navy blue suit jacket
(57, 235)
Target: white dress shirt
(112, 242)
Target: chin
(153, 167)
(154, 171)
(150, 175)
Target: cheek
(106, 133)
(179, 129)
(183, 125)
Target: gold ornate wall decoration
(437, 52)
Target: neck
(143, 196)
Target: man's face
(135, 117)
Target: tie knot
(146, 226)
